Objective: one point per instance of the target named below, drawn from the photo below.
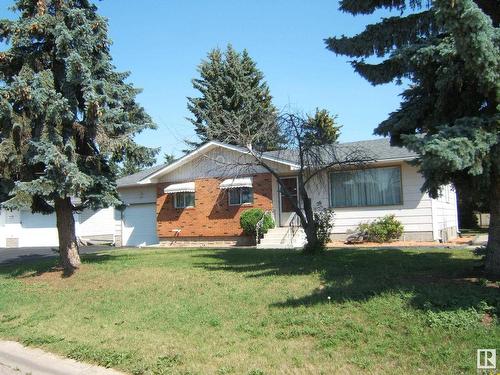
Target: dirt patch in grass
(53, 276)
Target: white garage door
(139, 225)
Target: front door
(286, 207)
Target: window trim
(401, 201)
(240, 189)
(184, 199)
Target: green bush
(382, 230)
(324, 224)
(250, 218)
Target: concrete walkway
(19, 360)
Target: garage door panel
(139, 225)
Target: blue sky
(162, 42)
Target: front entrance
(286, 207)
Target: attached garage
(135, 225)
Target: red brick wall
(212, 215)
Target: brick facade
(212, 216)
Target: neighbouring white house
(197, 201)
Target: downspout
(435, 230)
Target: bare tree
(312, 148)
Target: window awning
(185, 187)
(234, 183)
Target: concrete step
(281, 246)
(280, 237)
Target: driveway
(22, 254)
(16, 359)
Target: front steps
(281, 238)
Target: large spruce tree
(233, 97)
(450, 52)
(67, 118)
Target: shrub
(381, 230)
(250, 218)
(324, 224)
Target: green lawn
(247, 311)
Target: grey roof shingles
(377, 149)
(133, 179)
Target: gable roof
(377, 149)
(204, 149)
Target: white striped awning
(185, 187)
(233, 183)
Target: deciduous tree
(310, 142)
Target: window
(238, 196)
(291, 186)
(367, 187)
(183, 200)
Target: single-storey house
(198, 200)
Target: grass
(247, 311)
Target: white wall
(445, 213)
(415, 213)
(37, 230)
(96, 223)
(12, 226)
(2, 228)
(138, 195)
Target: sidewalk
(16, 359)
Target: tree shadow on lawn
(25, 267)
(434, 279)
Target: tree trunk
(312, 245)
(493, 257)
(68, 246)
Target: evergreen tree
(168, 158)
(234, 98)
(67, 118)
(450, 51)
(321, 128)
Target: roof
(376, 149)
(133, 179)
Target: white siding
(415, 213)
(217, 163)
(141, 194)
(38, 230)
(96, 223)
(12, 227)
(139, 225)
(445, 212)
(2, 228)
